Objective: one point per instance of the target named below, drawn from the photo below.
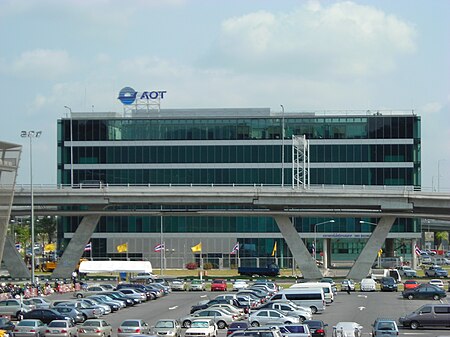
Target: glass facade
(366, 149)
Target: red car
(410, 284)
(219, 285)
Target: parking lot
(360, 307)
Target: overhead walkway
(282, 203)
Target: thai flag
(417, 250)
(235, 248)
(159, 248)
(88, 247)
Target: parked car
(6, 325)
(384, 327)
(436, 282)
(424, 291)
(266, 331)
(237, 326)
(92, 290)
(88, 312)
(76, 315)
(317, 328)
(271, 316)
(168, 327)
(410, 284)
(61, 328)
(14, 308)
(132, 293)
(239, 285)
(220, 317)
(347, 329)
(407, 271)
(29, 328)
(219, 285)
(38, 302)
(178, 284)
(197, 285)
(436, 271)
(202, 327)
(113, 305)
(432, 315)
(294, 330)
(388, 284)
(368, 284)
(346, 283)
(45, 315)
(130, 327)
(95, 328)
(289, 308)
(426, 259)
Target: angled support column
(298, 249)
(14, 261)
(363, 264)
(75, 248)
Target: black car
(46, 315)
(424, 291)
(237, 326)
(388, 284)
(7, 325)
(316, 327)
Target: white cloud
(431, 107)
(42, 63)
(344, 39)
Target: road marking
(171, 308)
(361, 308)
(363, 296)
(204, 296)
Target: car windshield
(199, 324)
(26, 323)
(386, 326)
(91, 323)
(164, 324)
(196, 281)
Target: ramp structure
(9, 164)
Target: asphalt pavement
(360, 307)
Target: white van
(304, 297)
(327, 290)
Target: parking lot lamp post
(315, 235)
(31, 135)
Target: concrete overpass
(383, 202)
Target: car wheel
(410, 297)
(221, 324)
(79, 295)
(19, 316)
(435, 297)
(414, 325)
(313, 310)
(302, 319)
(255, 324)
(186, 324)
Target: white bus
(305, 297)
(327, 290)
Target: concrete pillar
(329, 242)
(363, 264)
(413, 254)
(14, 261)
(298, 249)
(75, 248)
(389, 248)
(325, 253)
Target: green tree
(442, 236)
(46, 228)
(23, 235)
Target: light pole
(282, 145)
(31, 135)
(315, 235)
(71, 147)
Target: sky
(306, 55)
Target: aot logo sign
(128, 95)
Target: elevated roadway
(383, 202)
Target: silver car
(167, 327)
(29, 328)
(178, 284)
(131, 327)
(38, 302)
(61, 328)
(197, 285)
(217, 315)
(271, 316)
(14, 308)
(95, 328)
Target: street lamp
(282, 145)
(315, 235)
(71, 146)
(31, 135)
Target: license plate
(55, 331)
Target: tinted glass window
(425, 310)
(442, 310)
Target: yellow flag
(197, 248)
(123, 248)
(274, 250)
(51, 247)
(380, 252)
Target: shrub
(191, 265)
(208, 265)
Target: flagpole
(161, 241)
(238, 260)
(127, 250)
(91, 251)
